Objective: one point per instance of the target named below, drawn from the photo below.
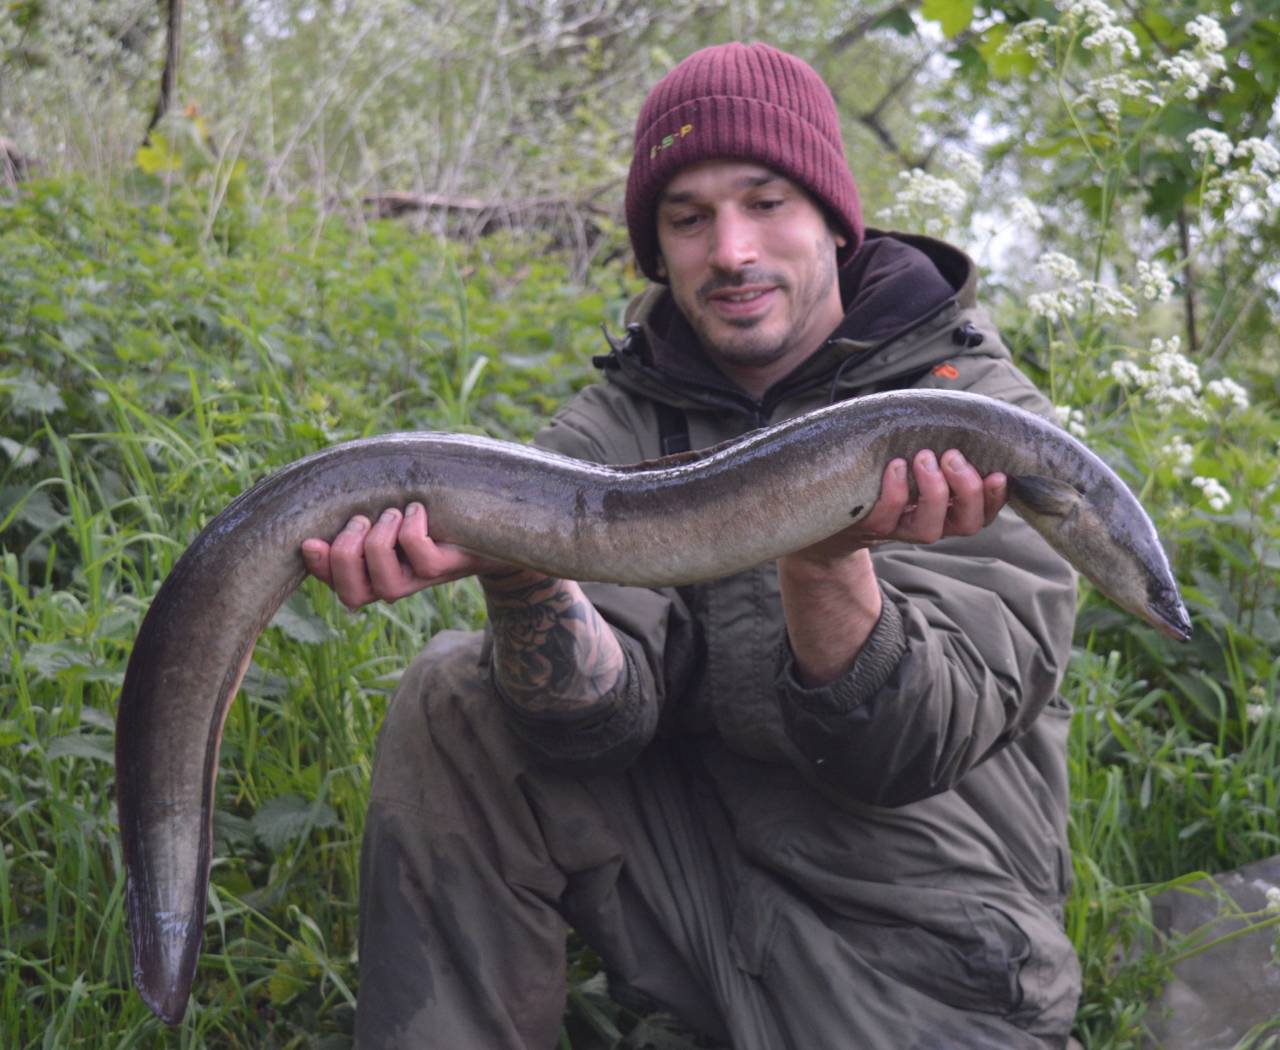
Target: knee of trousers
(447, 763)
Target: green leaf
(158, 156)
(30, 394)
(297, 620)
(1004, 65)
(952, 15)
(81, 745)
(288, 816)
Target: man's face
(752, 265)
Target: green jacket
(946, 740)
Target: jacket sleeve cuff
(607, 735)
(873, 667)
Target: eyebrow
(746, 182)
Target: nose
(733, 242)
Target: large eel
(671, 522)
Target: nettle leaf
(28, 393)
(953, 15)
(286, 817)
(83, 745)
(21, 455)
(297, 620)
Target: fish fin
(1044, 495)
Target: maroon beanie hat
(741, 102)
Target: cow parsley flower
(1071, 420)
(1264, 158)
(1053, 306)
(934, 202)
(1115, 39)
(1180, 454)
(1093, 13)
(1170, 379)
(1211, 142)
(963, 165)
(1153, 282)
(1061, 268)
(1210, 36)
(1215, 494)
(1228, 390)
(1109, 302)
(1026, 214)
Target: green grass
(155, 362)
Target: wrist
(504, 580)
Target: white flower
(1228, 390)
(1181, 453)
(1028, 36)
(1170, 380)
(1053, 306)
(1214, 493)
(933, 201)
(1255, 713)
(1206, 141)
(1127, 373)
(1153, 282)
(1264, 158)
(1109, 302)
(1113, 38)
(1026, 214)
(1071, 420)
(1058, 266)
(1208, 33)
(1193, 73)
(1093, 13)
(963, 165)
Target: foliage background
(177, 318)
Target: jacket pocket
(967, 954)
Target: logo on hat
(670, 140)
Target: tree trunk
(172, 61)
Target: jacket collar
(893, 284)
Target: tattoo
(553, 652)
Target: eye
(683, 220)
(767, 204)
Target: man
(819, 804)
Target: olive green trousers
(476, 863)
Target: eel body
(671, 522)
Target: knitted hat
(742, 102)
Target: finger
(995, 491)
(965, 515)
(346, 564)
(436, 562)
(925, 523)
(884, 516)
(382, 563)
(315, 556)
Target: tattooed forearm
(552, 650)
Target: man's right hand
(390, 558)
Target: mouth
(742, 302)
(1170, 616)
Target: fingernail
(413, 510)
(928, 461)
(310, 553)
(357, 524)
(390, 515)
(900, 469)
(954, 460)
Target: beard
(756, 342)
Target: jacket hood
(895, 285)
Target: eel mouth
(1169, 615)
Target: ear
(840, 239)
